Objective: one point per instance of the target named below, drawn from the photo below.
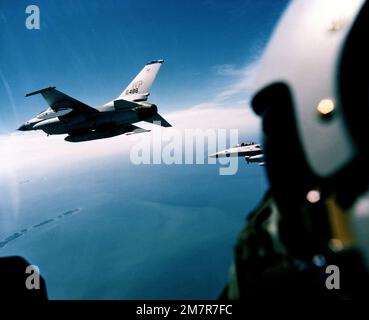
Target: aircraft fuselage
(107, 117)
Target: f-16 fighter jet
(252, 152)
(67, 115)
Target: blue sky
(92, 49)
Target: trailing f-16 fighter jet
(81, 122)
(252, 152)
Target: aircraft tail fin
(139, 88)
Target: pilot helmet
(312, 94)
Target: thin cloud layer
(242, 85)
(215, 116)
(228, 110)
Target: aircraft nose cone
(23, 127)
(213, 155)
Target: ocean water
(108, 229)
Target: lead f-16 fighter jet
(252, 152)
(81, 122)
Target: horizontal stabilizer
(124, 104)
(158, 120)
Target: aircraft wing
(57, 99)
